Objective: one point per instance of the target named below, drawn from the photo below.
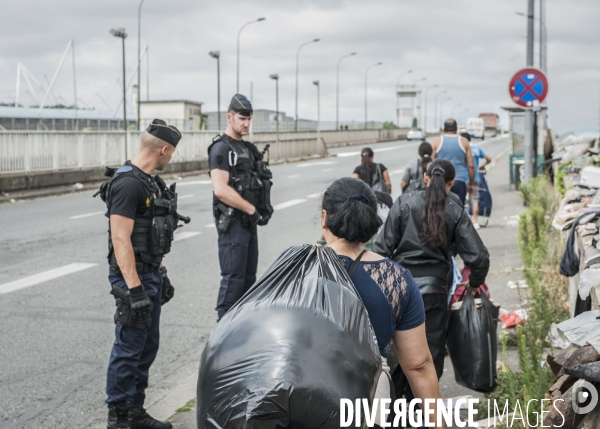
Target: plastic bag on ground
(294, 345)
(473, 343)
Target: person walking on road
(241, 187)
(421, 232)
(412, 179)
(456, 149)
(142, 218)
(388, 291)
(478, 155)
(373, 174)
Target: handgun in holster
(226, 217)
(124, 315)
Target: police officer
(241, 186)
(142, 213)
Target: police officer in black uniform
(241, 185)
(143, 217)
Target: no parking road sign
(528, 87)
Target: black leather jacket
(400, 240)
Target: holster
(124, 315)
(225, 217)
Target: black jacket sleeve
(471, 249)
(388, 239)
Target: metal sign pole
(528, 140)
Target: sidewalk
(500, 237)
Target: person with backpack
(412, 179)
(478, 154)
(422, 232)
(373, 174)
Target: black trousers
(436, 312)
(238, 258)
(460, 189)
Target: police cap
(168, 133)
(240, 104)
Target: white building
(186, 115)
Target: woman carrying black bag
(423, 230)
(388, 291)
(373, 174)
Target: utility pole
(217, 55)
(528, 138)
(275, 77)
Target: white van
(476, 127)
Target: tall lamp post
(398, 98)
(425, 107)
(275, 77)
(237, 80)
(316, 83)
(297, 65)
(337, 91)
(366, 73)
(423, 79)
(217, 55)
(139, 66)
(120, 32)
(435, 109)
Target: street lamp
(120, 32)
(435, 109)
(316, 83)
(275, 77)
(337, 91)
(425, 107)
(297, 63)
(237, 84)
(413, 98)
(366, 72)
(217, 55)
(442, 106)
(139, 66)
(542, 35)
(454, 107)
(398, 98)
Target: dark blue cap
(168, 133)
(240, 104)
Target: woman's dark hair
(425, 152)
(366, 156)
(433, 218)
(351, 208)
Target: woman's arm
(355, 175)
(416, 362)
(386, 180)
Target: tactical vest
(251, 177)
(152, 233)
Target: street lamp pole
(413, 99)
(528, 138)
(139, 66)
(366, 73)
(275, 77)
(398, 98)
(120, 32)
(316, 83)
(217, 55)
(237, 84)
(337, 91)
(435, 109)
(425, 108)
(297, 65)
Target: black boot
(117, 418)
(140, 419)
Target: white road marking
(346, 154)
(210, 225)
(195, 182)
(184, 235)
(327, 170)
(183, 197)
(287, 204)
(398, 171)
(44, 276)
(293, 176)
(317, 195)
(81, 216)
(312, 164)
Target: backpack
(377, 181)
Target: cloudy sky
(470, 48)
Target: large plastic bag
(295, 344)
(473, 342)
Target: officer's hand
(139, 299)
(168, 291)
(254, 218)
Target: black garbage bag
(295, 344)
(473, 342)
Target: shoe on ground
(140, 419)
(476, 226)
(117, 418)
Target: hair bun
(438, 171)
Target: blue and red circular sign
(528, 87)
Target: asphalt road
(56, 312)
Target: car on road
(476, 127)
(415, 134)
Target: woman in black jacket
(423, 230)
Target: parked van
(476, 127)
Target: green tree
(414, 123)
(389, 125)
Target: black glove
(168, 291)
(139, 299)
(254, 218)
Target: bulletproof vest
(250, 176)
(152, 233)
